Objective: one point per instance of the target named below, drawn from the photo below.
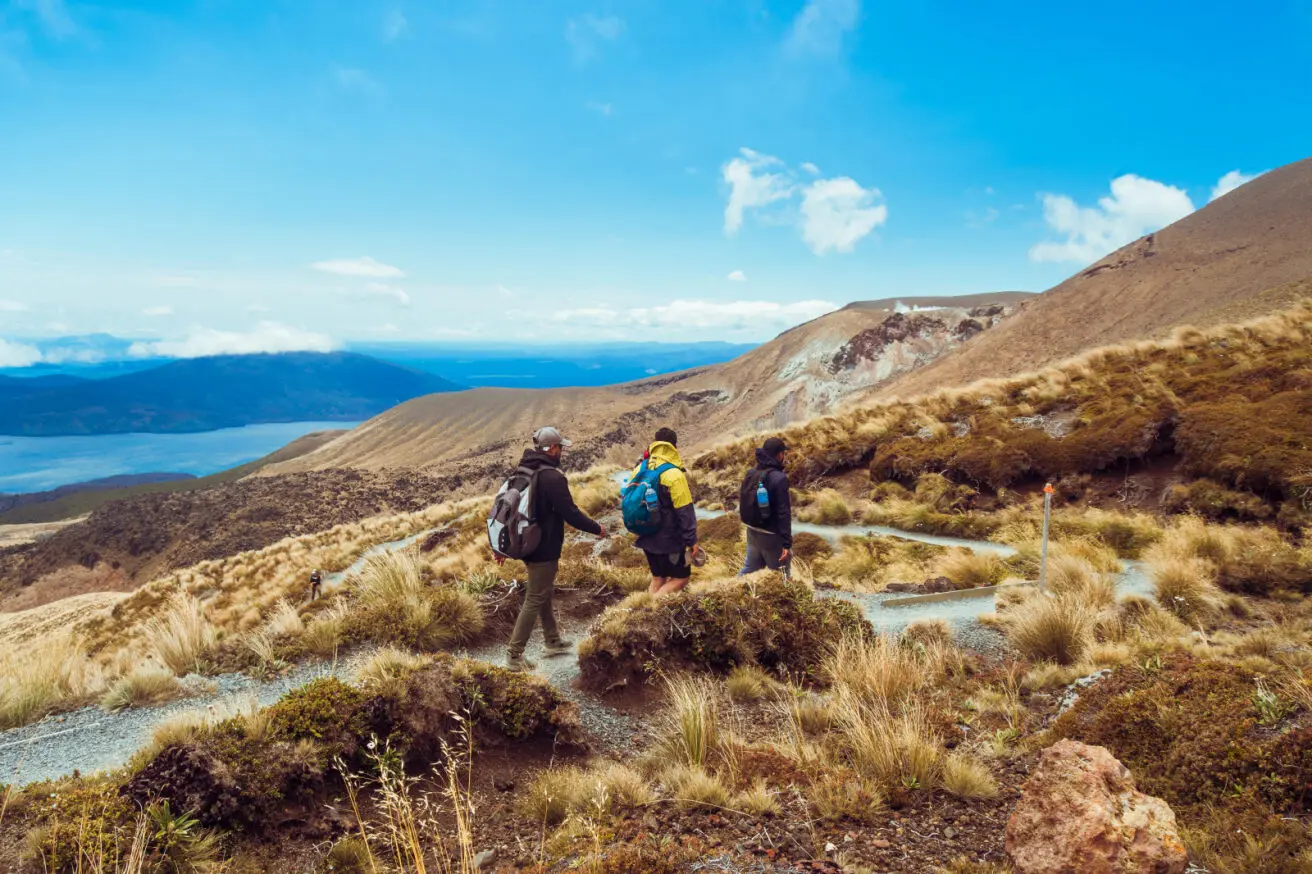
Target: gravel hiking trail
(91, 739)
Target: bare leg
(672, 585)
(656, 584)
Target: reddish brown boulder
(1080, 814)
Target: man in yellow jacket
(670, 550)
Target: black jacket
(776, 483)
(553, 506)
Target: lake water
(35, 464)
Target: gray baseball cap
(546, 437)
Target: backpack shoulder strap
(664, 467)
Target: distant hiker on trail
(764, 507)
(657, 506)
(528, 523)
(316, 584)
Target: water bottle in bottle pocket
(763, 499)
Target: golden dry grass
(46, 673)
(182, 636)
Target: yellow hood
(664, 453)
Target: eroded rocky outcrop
(1080, 812)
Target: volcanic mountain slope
(804, 372)
(1232, 259)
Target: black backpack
(512, 526)
(749, 510)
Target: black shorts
(675, 567)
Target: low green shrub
(776, 624)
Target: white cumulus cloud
(837, 213)
(752, 184)
(14, 354)
(363, 266)
(737, 276)
(267, 337)
(741, 315)
(819, 28)
(157, 311)
(1230, 181)
(1136, 206)
(834, 213)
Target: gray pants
(537, 604)
(763, 551)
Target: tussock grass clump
(389, 667)
(826, 508)
(1184, 586)
(147, 684)
(969, 570)
(693, 786)
(691, 720)
(747, 683)
(43, 675)
(968, 778)
(881, 671)
(1052, 628)
(556, 793)
(837, 795)
(396, 605)
(758, 800)
(893, 749)
(182, 636)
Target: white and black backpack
(512, 526)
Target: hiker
(528, 523)
(316, 584)
(764, 507)
(657, 506)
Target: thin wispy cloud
(732, 316)
(267, 337)
(382, 290)
(174, 281)
(587, 33)
(737, 276)
(362, 266)
(12, 306)
(819, 29)
(13, 354)
(394, 24)
(157, 311)
(53, 15)
(357, 81)
(1136, 206)
(599, 108)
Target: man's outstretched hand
(785, 555)
(499, 559)
(604, 533)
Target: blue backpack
(640, 501)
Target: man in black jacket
(769, 539)
(553, 507)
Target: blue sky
(230, 175)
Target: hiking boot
(559, 648)
(519, 663)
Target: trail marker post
(1043, 557)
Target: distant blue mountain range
(205, 394)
